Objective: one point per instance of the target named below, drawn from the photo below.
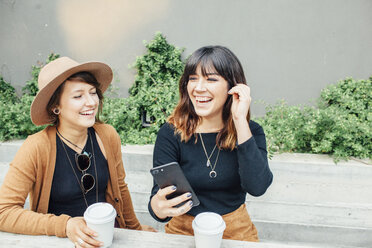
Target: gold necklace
(205, 151)
(213, 173)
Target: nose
(200, 85)
(90, 100)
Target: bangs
(209, 60)
(206, 66)
(84, 77)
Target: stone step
(321, 184)
(306, 214)
(356, 215)
(9, 149)
(3, 170)
(316, 235)
(321, 236)
(311, 200)
(137, 158)
(350, 187)
(139, 182)
(284, 221)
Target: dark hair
(221, 60)
(84, 77)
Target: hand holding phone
(173, 198)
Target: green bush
(284, 127)
(340, 125)
(154, 93)
(15, 120)
(7, 92)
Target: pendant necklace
(205, 151)
(213, 173)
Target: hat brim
(100, 71)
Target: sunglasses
(83, 163)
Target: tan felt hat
(53, 74)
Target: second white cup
(100, 217)
(208, 230)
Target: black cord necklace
(68, 140)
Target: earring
(56, 111)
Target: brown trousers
(238, 225)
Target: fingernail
(189, 195)
(174, 188)
(191, 203)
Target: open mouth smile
(203, 99)
(87, 113)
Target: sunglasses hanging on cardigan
(83, 162)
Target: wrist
(241, 124)
(243, 131)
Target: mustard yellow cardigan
(31, 172)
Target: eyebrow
(80, 90)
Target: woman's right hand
(80, 234)
(164, 207)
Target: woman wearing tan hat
(69, 165)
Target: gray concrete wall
(290, 49)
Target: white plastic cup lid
(100, 213)
(209, 223)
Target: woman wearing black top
(221, 151)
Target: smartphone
(172, 174)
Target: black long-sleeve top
(242, 170)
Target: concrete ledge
(9, 148)
(318, 159)
(316, 235)
(3, 170)
(311, 201)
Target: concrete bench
(311, 201)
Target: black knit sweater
(243, 170)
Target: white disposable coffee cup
(208, 230)
(100, 217)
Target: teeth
(202, 99)
(90, 112)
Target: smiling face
(78, 105)
(207, 93)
